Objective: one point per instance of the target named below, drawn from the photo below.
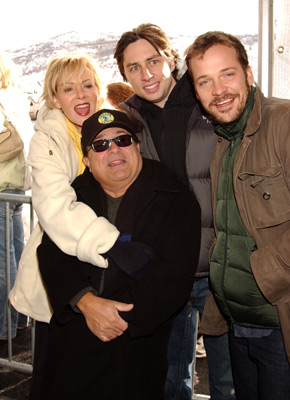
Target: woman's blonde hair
(65, 65)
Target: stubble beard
(229, 116)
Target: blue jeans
(261, 369)
(16, 240)
(181, 352)
(221, 384)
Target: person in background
(128, 190)
(118, 92)
(14, 179)
(177, 133)
(250, 175)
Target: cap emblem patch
(106, 118)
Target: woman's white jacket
(72, 225)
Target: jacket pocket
(267, 196)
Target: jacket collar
(254, 120)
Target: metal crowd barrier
(9, 362)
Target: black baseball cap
(104, 119)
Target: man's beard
(225, 117)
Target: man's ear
(250, 76)
(86, 161)
(172, 65)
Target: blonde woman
(71, 94)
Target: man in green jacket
(250, 172)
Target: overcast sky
(30, 21)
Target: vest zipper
(232, 145)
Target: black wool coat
(166, 217)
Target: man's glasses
(105, 144)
